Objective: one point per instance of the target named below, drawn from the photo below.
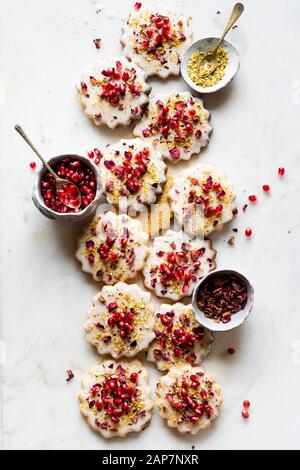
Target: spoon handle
(22, 133)
(236, 13)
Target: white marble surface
(44, 296)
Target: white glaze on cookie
(112, 248)
(121, 322)
(202, 200)
(114, 93)
(177, 124)
(112, 402)
(188, 399)
(156, 39)
(180, 339)
(134, 171)
(175, 264)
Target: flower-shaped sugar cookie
(121, 322)
(156, 39)
(114, 93)
(177, 124)
(188, 398)
(115, 398)
(176, 263)
(132, 171)
(112, 248)
(180, 339)
(202, 200)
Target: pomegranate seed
(138, 6)
(266, 188)
(134, 377)
(177, 352)
(32, 165)
(252, 198)
(91, 155)
(185, 383)
(194, 419)
(246, 404)
(231, 351)
(189, 129)
(281, 171)
(245, 414)
(178, 406)
(248, 232)
(112, 306)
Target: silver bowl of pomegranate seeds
(223, 300)
(80, 170)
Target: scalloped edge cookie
(175, 418)
(94, 415)
(103, 327)
(112, 248)
(202, 200)
(133, 173)
(163, 62)
(177, 124)
(186, 342)
(188, 252)
(123, 107)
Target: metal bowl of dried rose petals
(80, 170)
(223, 300)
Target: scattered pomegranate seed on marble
(248, 232)
(266, 188)
(246, 404)
(281, 171)
(91, 155)
(245, 414)
(231, 351)
(252, 198)
(138, 6)
(32, 165)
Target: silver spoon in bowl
(209, 62)
(67, 191)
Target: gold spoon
(209, 62)
(67, 191)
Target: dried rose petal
(97, 43)
(222, 296)
(70, 375)
(175, 152)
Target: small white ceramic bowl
(69, 217)
(237, 319)
(205, 45)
